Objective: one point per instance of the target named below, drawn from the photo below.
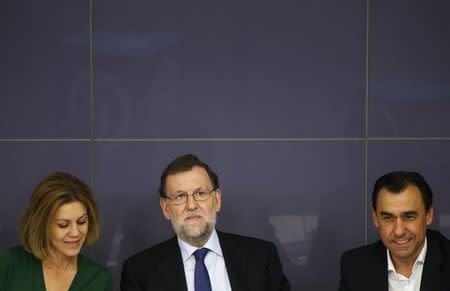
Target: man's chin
(195, 232)
(401, 253)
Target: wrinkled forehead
(190, 180)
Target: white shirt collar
(420, 259)
(212, 244)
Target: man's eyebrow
(385, 213)
(185, 192)
(411, 212)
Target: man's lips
(192, 217)
(402, 242)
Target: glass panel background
(299, 106)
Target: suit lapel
(431, 274)
(235, 262)
(171, 270)
(377, 270)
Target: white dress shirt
(214, 261)
(398, 282)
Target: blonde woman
(61, 218)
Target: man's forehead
(406, 200)
(410, 190)
(399, 213)
(195, 177)
(195, 171)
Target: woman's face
(68, 229)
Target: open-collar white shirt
(398, 282)
(214, 262)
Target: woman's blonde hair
(50, 194)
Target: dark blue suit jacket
(365, 268)
(252, 265)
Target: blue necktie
(201, 277)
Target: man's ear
(375, 218)
(218, 200)
(165, 207)
(429, 215)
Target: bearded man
(199, 257)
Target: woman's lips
(73, 244)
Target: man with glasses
(199, 257)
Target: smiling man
(199, 257)
(409, 256)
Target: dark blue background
(298, 105)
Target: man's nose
(191, 203)
(400, 228)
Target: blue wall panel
(302, 208)
(298, 106)
(229, 69)
(23, 166)
(44, 69)
(431, 158)
(409, 68)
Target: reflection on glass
(295, 234)
(113, 258)
(444, 221)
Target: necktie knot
(200, 254)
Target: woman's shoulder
(12, 250)
(5, 257)
(88, 263)
(93, 274)
(17, 269)
(15, 254)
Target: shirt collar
(420, 259)
(212, 244)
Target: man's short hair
(398, 181)
(183, 164)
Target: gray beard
(191, 235)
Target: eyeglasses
(199, 195)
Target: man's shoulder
(243, 242)
(241, 238)
(364, 253)
(438, 240)
(364, 266)
(155, 253)
(437, 236)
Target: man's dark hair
(182, 164)
(398, 181)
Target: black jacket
(365, 268)
(252, 264)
